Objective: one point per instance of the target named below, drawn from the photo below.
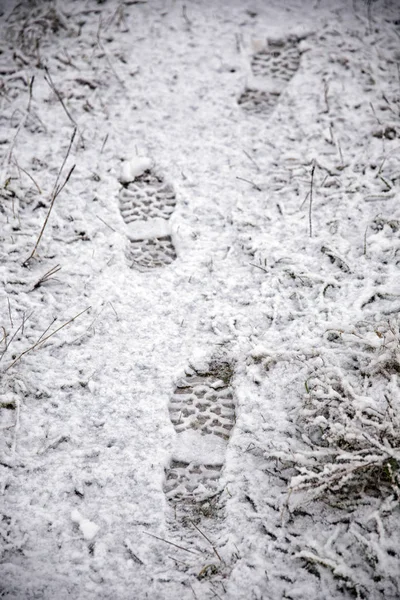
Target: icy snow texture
(133, 168)
(85, 421)
(88, 529)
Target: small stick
(115, 312)
(305, 200)
(21, 327)
(194, 593)
(17, 424)
(106, 224)
(258, 267)
(47, 328)
(46, 338)
(9, 312)
(340, 152)
(53, 445)
(381, 167)
(30, 94)
(251, 183)
(365, 240)
(238, 42)
(208, 540)
(4, 338)
(65, 160)
(56, 191)
(398, 75)
(311, 198)
(388, 104)
(22, 122)
(184, 15)
(49, 80)
(375, 115)
(326, 92)
(100, 44)
(252, 160)
(59, 189)
(385, 182)
(331, 134)
(47, 276)
(369, 5)
(28, 174)
(104, 143)
(171, 543)
(23, 323)
(131, 552)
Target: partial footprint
(275, 65)
(202, 411)
(146, 205)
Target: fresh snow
(199, 392)
(88, 529)
(133, 168)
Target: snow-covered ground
(200, 351)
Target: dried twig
(375, 115)
(4, 338)
(255, 186)
(252, 160)
(326, 96)
(49, 80)
(171, 543)
(9, 312)
(186, 18)
(21, 124)
(20, 328)
(47, 329)
(47, 276)
(258, 267)
(106, 224)
(104, 143)
(115, 312)
(17, 424)
(42, 341)
(132, 553)
(311, 197)
(28, 174)
(56, 191)
(208, 540)
(100, 44)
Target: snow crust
(133, 168)
(191, 446)
(297, 290)
(88, 529)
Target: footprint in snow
(146, 204)
(274, 66)
(202, 410)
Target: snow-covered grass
(199, 252)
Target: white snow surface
(134, 167)
(191, 446)
(299, 292)
(88, 528)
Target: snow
(133, 168)
(301, 299)
(88, 529)
(191, 446)
(148, 229)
